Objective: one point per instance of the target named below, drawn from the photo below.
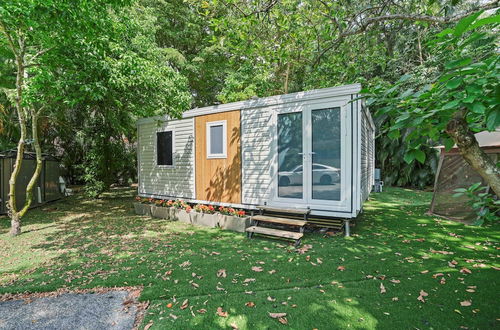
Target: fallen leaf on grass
(185, 264)
(202, 311)
(283, 320)
(173, 316)
(169, 305)
(221, 273)
(195, 285)
(465, 271)
(277, 315)
(396, 281)
(272, 271)
(220, 312)
(341, 268)
(437, 275)
(465, 303)
(269, 298)
(149, 325)
(424, 272)
(422, 295)
(382, 288)
(234, 326)
(248, 280)
(452, 263)
(319, 260)
(395, 298)
(250, 304)
(257, 269)
(442, 281)
(185, 304)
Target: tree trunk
(15, 224)
(469, 148)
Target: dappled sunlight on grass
(335, 284)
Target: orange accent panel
(219, 179)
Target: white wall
(177, 181)
(256, 137)
(367, 155)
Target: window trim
(224, 139)
(156, 147)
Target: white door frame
(344, 204)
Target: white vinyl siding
(367, 155)
(256, 137)
(177, 181)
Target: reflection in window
(326, 149)
(290, 174)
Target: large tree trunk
(469, 148)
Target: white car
(322, 174)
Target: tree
(459, 99)
(32, 30)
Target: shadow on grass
(103, 244)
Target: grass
(80, 243)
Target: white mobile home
(310, 150)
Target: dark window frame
(166, 159)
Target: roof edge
(265, 101)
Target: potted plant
(160, 209)
(204, 215)
(181, 211)
(231, 219)
(142, 205)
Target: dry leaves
(277, 315)
(341, 268)
(250, 304)
(465, 271)
(185, 304)
(465, 303)
(149, 325)
(395, 281)
(382, 288)
(185, 264)
(422, 295)
(221, 313)
(257, 269)
(221, 273)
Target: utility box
(47, 187)
(377, 187)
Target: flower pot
(230, 222)
(181, 215)
(204, 219)
(142, 209)
(160, 212)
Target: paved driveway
(70, 311)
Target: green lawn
(396, 248)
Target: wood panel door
(218, 179)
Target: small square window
(165, 148)
(216, 139)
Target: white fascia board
(152, 119)
(275, 100)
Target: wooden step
(279, 210)
(274, 232)
(283, 221)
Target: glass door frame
(344, 204)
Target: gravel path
(69, 311)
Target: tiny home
(310, 150)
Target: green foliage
(467, 82)
(485, 204)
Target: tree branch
(358, 27)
